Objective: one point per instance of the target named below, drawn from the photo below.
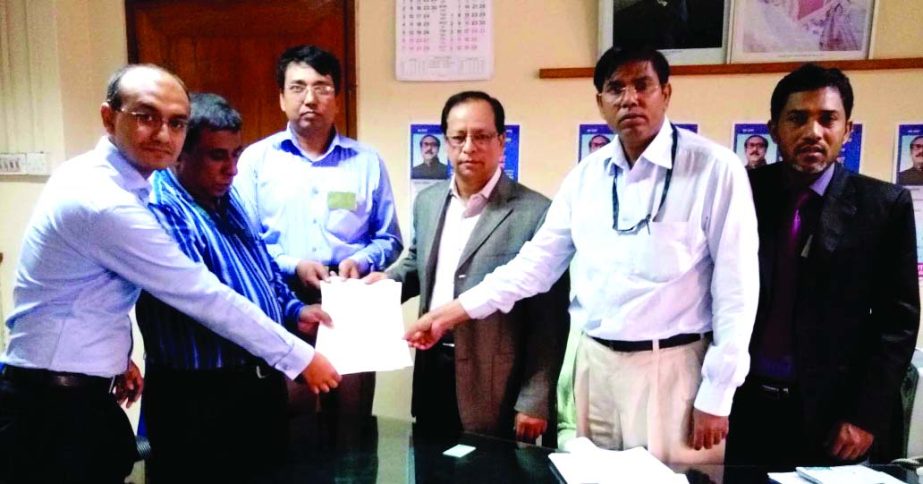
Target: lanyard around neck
(663, 196)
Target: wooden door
(230, 47)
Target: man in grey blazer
(496, 378)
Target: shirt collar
(290, 143)
(129, 177)
(657, 152)
(794, 181)
(823, 181)
(476, 202)
(170, 178)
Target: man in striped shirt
(207, 399)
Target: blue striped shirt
(225, 242)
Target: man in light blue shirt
(91, 246)
(322, 201)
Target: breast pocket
(671, 249)
(346, 225)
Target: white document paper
(585, 463)
(368, 326)
(848, 474)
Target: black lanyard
(663, 196)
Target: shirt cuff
(293, 314)
(715, 399)
(362, 260)
(476, 302)
(287, 264)
(295, 362)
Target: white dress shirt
(693, 269)
(91, 246)
(460, 218)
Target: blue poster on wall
(428, 160)
(753, 145)
(908, 171)
(851, 152)
(511, 152)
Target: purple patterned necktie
(776, 336)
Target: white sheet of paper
(584, 462)
(368, 326)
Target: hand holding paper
(368, 326)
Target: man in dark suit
(839, 300)
(496, 378)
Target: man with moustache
(664, 273)
(597, 142)
(206, 399)
(430, 168)
(322, 202)
(90, 247)
(914, 174)
(755, 148)
(839, 299)
(495, 377)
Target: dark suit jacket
(506, 362)
(857, 308)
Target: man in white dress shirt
(660, 233)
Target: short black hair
(435, 138)
(209, 111)
(466, 96)
(916, 138)
(765, 141)
(616, 57)
(810, 77)
(325, 63)
(114, 86)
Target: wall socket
(35, 163)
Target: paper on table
(368, 326)
(586, 463)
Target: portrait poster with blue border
(428, 157)
(753, 145)
(593, 136)
(511, 152)
(908, 161)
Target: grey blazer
(504, 363)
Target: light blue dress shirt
(90, 247)
(328, 209)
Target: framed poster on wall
(685, 31)
(801, 30)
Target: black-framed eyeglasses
(663, 196)
(154, 121)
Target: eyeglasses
(916, 146)
(615, 91)
(319, 90)
(155, 121)
(479, 140)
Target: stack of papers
(585, 463)
(833, 475)
(368, 326)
